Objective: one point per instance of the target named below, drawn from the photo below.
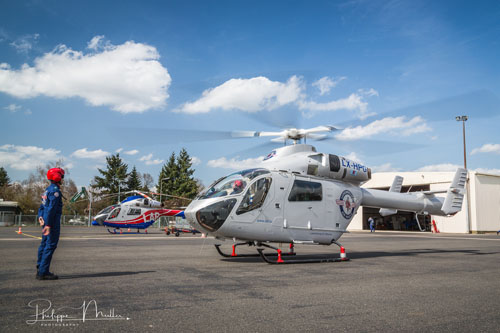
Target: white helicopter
(300, 196)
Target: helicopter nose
(212, 216)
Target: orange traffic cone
(121, 232)
(279, 256)
(146, 230)
(342, 254)
(19, 232)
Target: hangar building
(483, 215)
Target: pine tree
(168, 175)
(186, 187)
(134, 180)
(114, 178)
(176, 179)
(4, 178)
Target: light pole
(161, 183)
(118, 181)
(463, 119)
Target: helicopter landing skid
(114, 232)
(300, 261)
(234, 255)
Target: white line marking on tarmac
(99, 238)
(438, 237)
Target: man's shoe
(49, 276)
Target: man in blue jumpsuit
(50, 215)
(371, 221)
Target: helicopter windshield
(233, 184)
(107, 210)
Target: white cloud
(488, 171)
(387, 167)
(148, 159)
(25, 43)
(195, 160)
(26, 157)
(487, 148)
(354, 102)
(13, 107)
(260, 93)
(235, 164)
(444, 167)
(251, 95)
(354, 157)
(397, 125)
(98, 42)
(368, 92)
(90, 154)
(127, 77)
(131, 152)
(325, 84)
(119, 150)
(448, 167)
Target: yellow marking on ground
(27, 235)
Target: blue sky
(82, 80)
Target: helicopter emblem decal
(346, 204)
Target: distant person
(371, 221)
(50, 215)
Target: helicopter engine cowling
(150, 203)
(340, 168)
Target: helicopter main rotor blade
(476, 104)
(166, 135)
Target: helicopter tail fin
(396, 186)
(455, 195)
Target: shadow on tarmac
(363, 255)
(103, 274)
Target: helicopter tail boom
(423, 202)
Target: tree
(176, 180)
(4, 178)
(147, 182)
(113, 179)
(168, 174)
(28, 193)
(134, 180)
(187, 185)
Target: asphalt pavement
(135, 282)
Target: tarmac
(404, 282)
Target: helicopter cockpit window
(114, 213)
(303, 190)
(255, 196)
(233, 184)
(106, 210)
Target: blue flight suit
(51, 211)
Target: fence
(10, 219)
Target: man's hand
(41, 221)
(46, 230)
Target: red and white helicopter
(138, 211)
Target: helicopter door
(304, 208)
(255, 200)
